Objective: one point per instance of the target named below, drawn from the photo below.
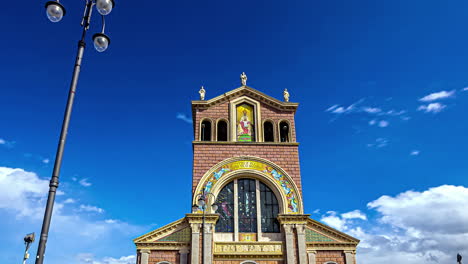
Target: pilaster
(349, 257)
(183, 255)
(289, 235)
(301, 243)
(144, 256)
(208, 243)
(195, 245)
(312, 257)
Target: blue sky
(381, 122)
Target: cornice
(234, 143)
(162, 231)
(198, 218)
(249, 91)
(293, 218)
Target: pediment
(249, 92)
(178, 231)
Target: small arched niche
(285, 135)
(268, 134)
(222, 131)
(205, 130)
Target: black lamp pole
(202, 202)
(55, 12)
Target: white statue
(243, 78)
(286, 95)
(202, 93)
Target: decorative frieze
(249, 248)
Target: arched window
(249, 191)
(205, 130)
(222, 131)
(284, 131)
(268, 135)
(225, 202)
(270, 210)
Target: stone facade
(264, 155)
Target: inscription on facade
(249, 249)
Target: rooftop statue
(286, 95)
(202, 93)
(243, 78)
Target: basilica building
(246, 191)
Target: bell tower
(246, 191)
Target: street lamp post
(28, 239)
(55, 12)
(201, 203)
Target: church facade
(246, 191)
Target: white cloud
(6, 143)
(84, 182)
(432, 108)
(184, 118)
(23, 196)
(69, 201)
(2, 141)
(88, 258)
(437, 96)
(465, 89)
(342, 222)
(46, 161)
(383, 123)
(414, 152)
(21, 192)
(337, 109)
(91, 208)
(379, 143)
(372, 122)
(412, 227)
(371, 110)
(356, 214)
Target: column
(312, 255)
(183, 255)
(208, 243)
(144, 256)
(195, 256)
(290, 256)
(301, 243)
(349, 257)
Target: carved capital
(195, 227)
(145, 251)
(184, 250)
(300, 228)
(288, 228)
(208, 228)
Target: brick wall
(222, 111)
(330, 255)
(164, 255)
(207, 155)
(239, 261)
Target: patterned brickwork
(312, 236)
(330, 255)
(222, 111)
(208, 155)
(171, 256)
(183, 235)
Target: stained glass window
(247, 206)
(225, 202)
(270, 210)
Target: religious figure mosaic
(245, 117)
(281, 180)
